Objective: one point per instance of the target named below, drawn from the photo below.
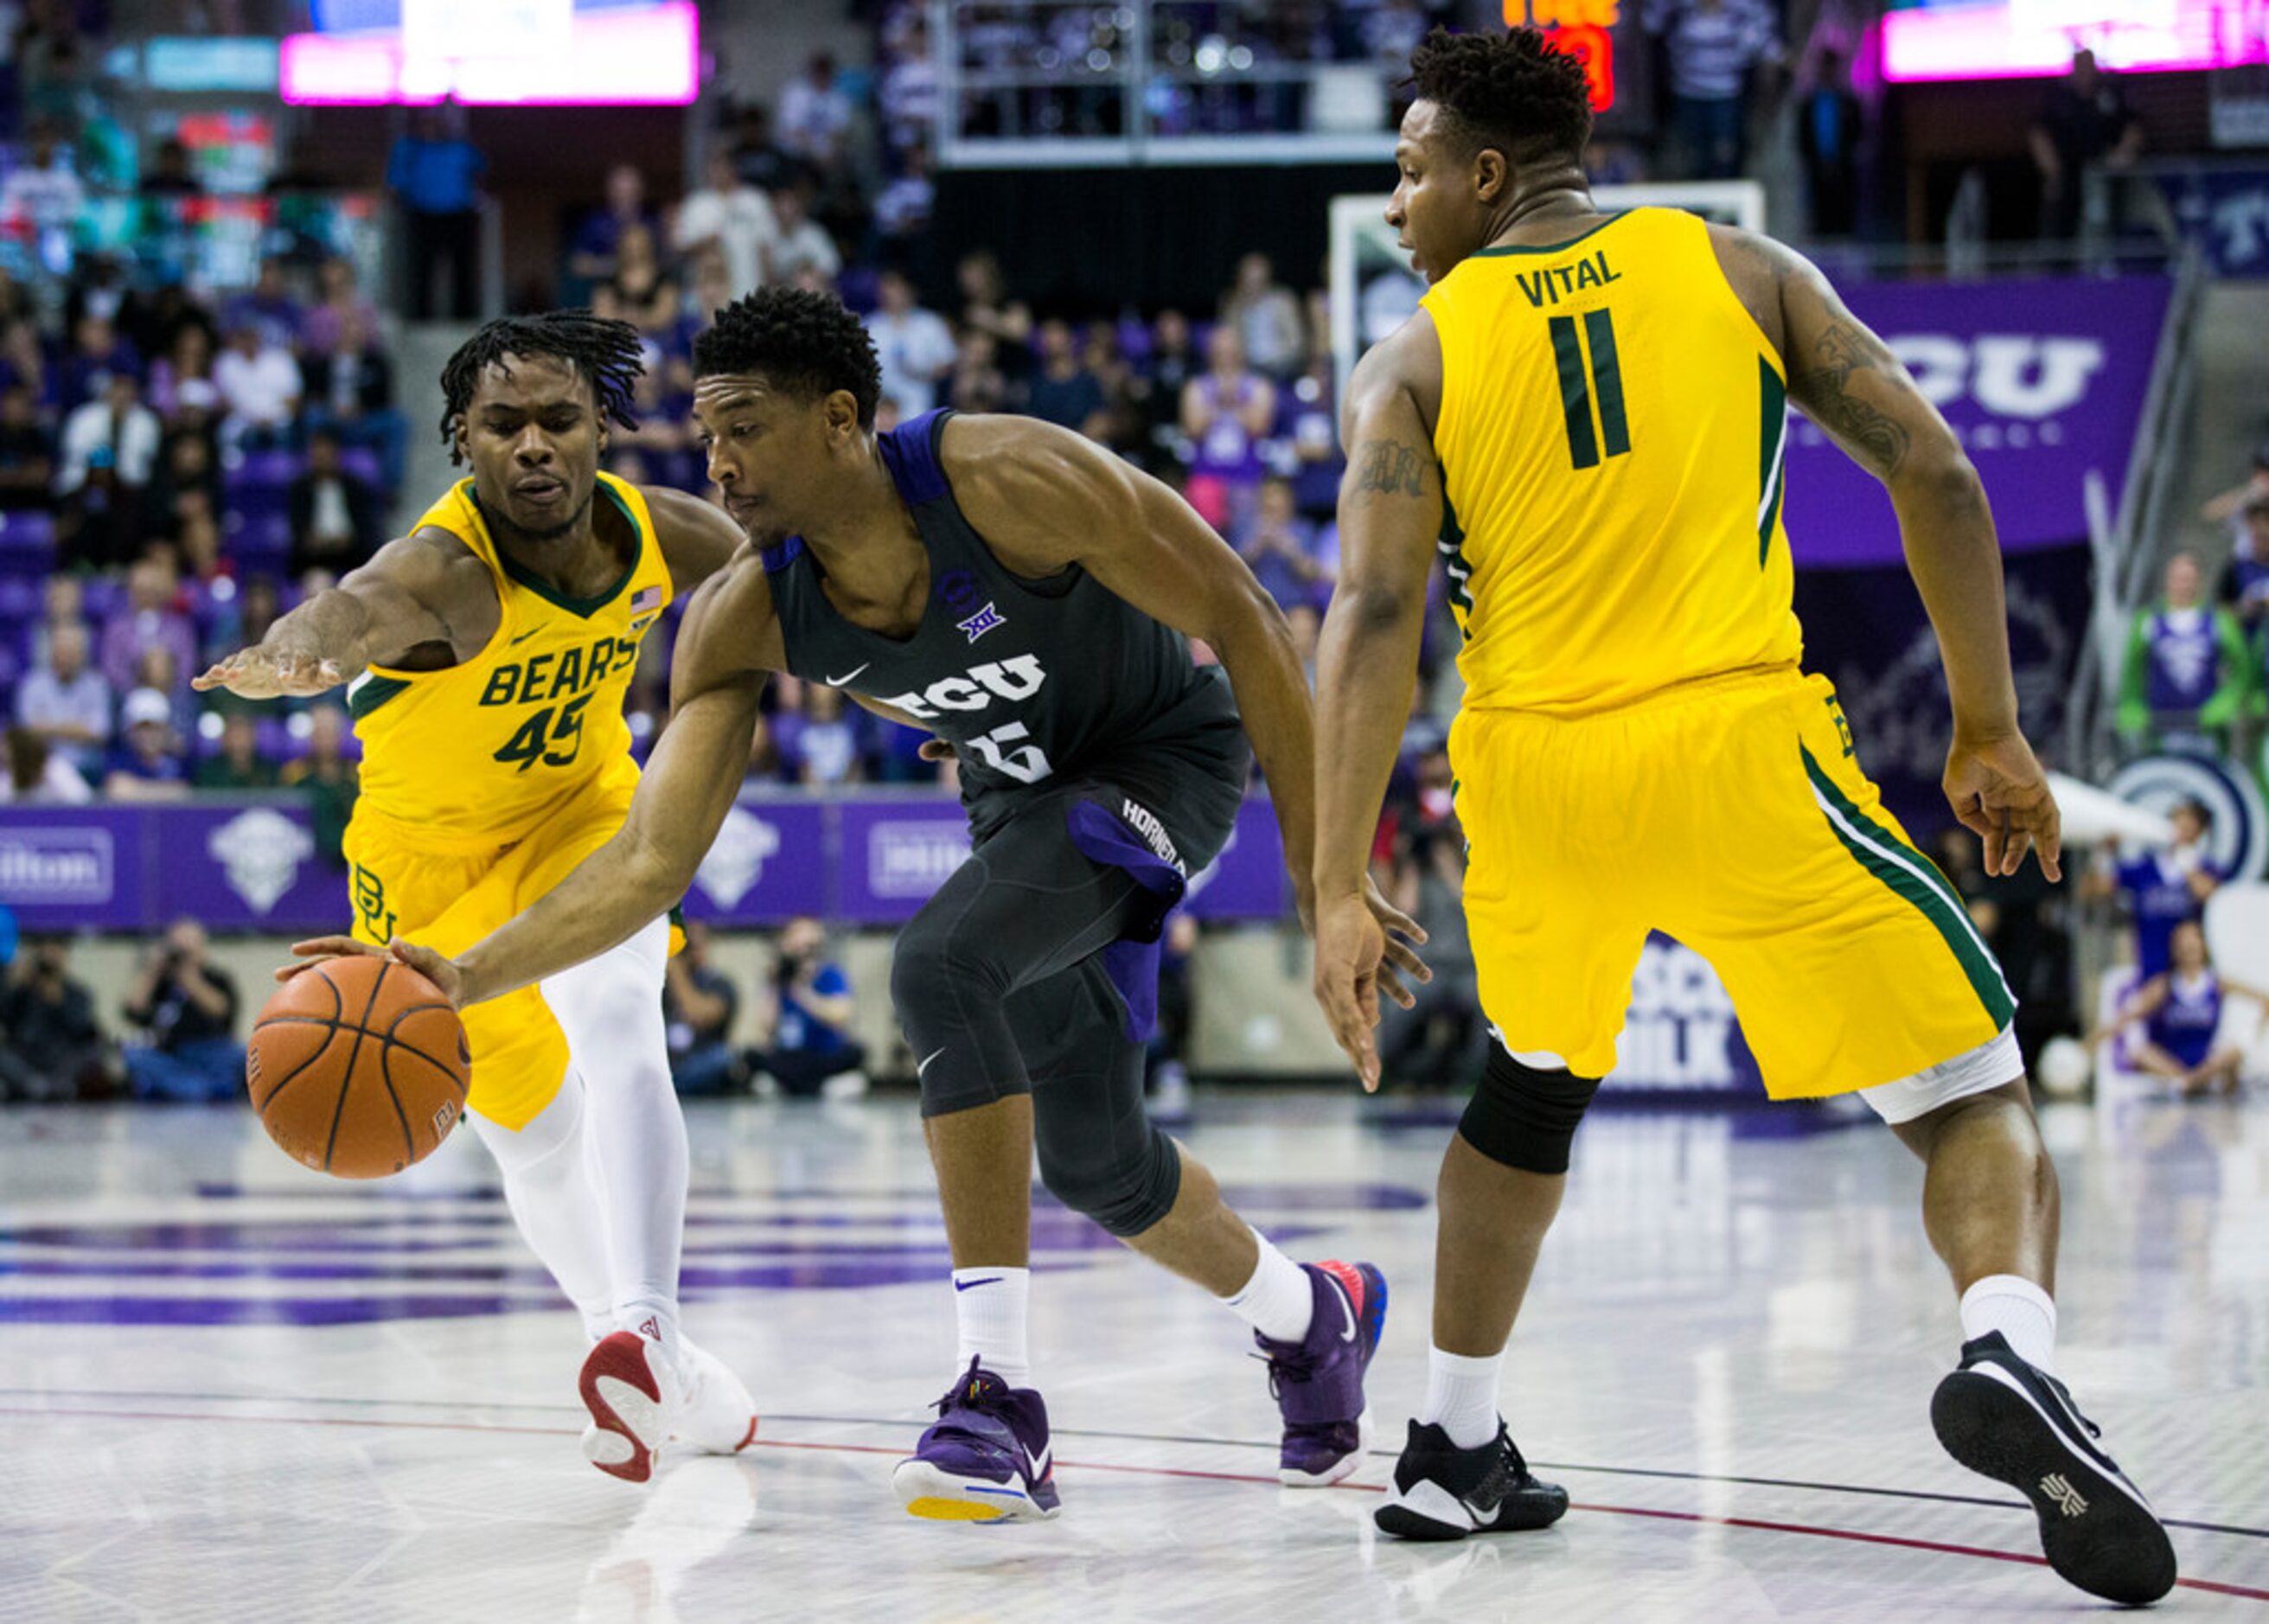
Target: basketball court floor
(235, 1391)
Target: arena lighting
(2035, 38)
(642, 55)
(1583, 29)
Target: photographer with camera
(811, 1042)
(187, 1007)
(51, 1047)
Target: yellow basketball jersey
(479, 755)
(1611, 436)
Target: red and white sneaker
(635, 1398)
(718, 1416)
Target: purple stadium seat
(262, 469)
(27, 545)
(104, 594)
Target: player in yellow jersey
(1587, 417)
(486, 654)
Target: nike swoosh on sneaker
(1347, 1308)
(1039, 1463)
(838, 681)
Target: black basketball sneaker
(1998, 1415)
(1442, 1492)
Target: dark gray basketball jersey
(1037, 684)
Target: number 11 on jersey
(1580, 385)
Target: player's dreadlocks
(802, 343)
(606, 352)
(1516, 92)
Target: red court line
(1814, 1530)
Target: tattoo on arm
(1389, 467)
(1821, 389)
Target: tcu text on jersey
(1003, 750)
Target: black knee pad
(1126, 1190)
(1525, 1118)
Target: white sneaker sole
(629, 1417)
(1340, 1470)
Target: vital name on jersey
(543, 677)
(1555, 282)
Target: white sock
(546, 1184)
(2020, 1310)
(1461, 1397)
(1278, 1302)
(988, 1307)
(610, 1010)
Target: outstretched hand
(1998, 791)
(263, 673)
(440, 971)
(1363, 944)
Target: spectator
(28, 459)
(1173, 362)
(821, 749)
(2180, 1012)
(637, 292)
(699, 1004)
(169, 175)
(39, 776)
(63, 603)
(2085, 119)
(334, 513)
(196, 541)
(98, 353)
(43, 193)
(66, 702)
(148, 616)
(51, 1046)
(1226, 410)
(908, 93)
(187, 1006)
(2245, 585)
(759, 160)
(596, 250)
(986, 307)
(1276, 543)
(730, 216)
(328, 779)
(434, 174)
(110, 450)
(811, 1042)
(161, 672)
(1266, 315)
(181, 380)
(2164, 888)
(269, 307)
(239, 764)
(1309, 427)
(915, 346)
(1064, 392)
(153, 764)
(977, 382)
(98, 287)
(260, 388)
(1713, 47)
(1828, 130)
(2187, 670)
(24, 363)
(342, 315)
(187, 481)
(815, 115)
(802, 244)
(903, 209)
(350, 395)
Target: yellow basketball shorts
(450, 900)
(1732, 815)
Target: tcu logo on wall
(2011, 375)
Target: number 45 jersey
(1038, 685)
(1612, 434)
(481, 754)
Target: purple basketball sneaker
(1318, 1381)
(987, 1457)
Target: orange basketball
(358, 1067)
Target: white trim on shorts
(1988, 1066)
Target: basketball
(358, 1067)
